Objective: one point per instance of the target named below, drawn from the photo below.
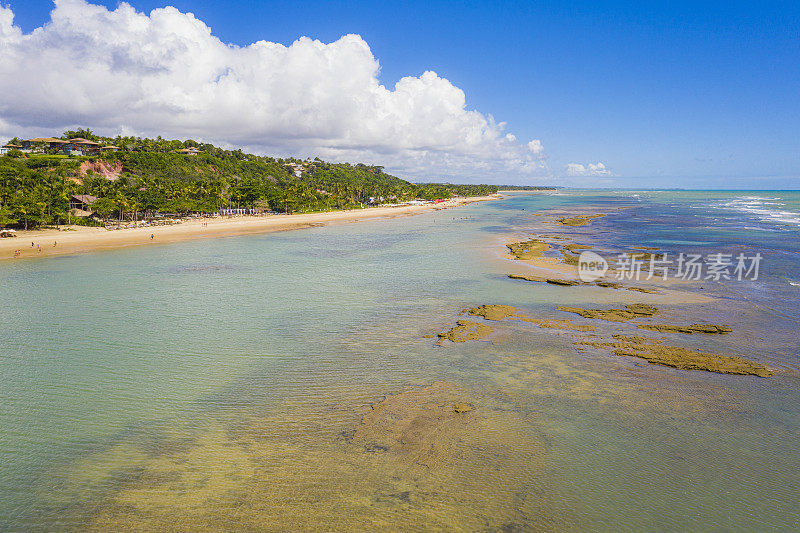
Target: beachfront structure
(76, 146)
(187, 151)
(8, 147)
(82, 204)
(49, 143)
(85, 146)
(296, 168)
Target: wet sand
(79, 239)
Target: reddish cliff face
(110, 171)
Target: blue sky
(677, 94)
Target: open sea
(289, 381)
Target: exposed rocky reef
(573, 282)
(608, 284)
(563, 282)
(654, 352)
(615, 285)
(640, 289)
(579, 220)
(464, 331)
(528, 249)
(552, 281)
(573, 247)
(493, 311)
(501, 312)
(614, 315)
(569, 257)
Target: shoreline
(82, 239)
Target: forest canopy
(147, 177)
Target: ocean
(294, 380)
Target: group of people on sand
(18, 253)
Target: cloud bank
(592, 169)
(122, 71)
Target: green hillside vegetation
(35, 189)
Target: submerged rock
(411, 462)
(555, 323)
(453, 444)
(466, 330)
(694, 328)
(645, 257)
(614, 315)
(654, 352)
(462, 408)
(425, 424)
(553, 237)
(528, 249)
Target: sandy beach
(80, 239)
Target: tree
(104, 207)
(81, 133)
(7, 216)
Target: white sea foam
(767, 209)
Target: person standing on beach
(152, 236)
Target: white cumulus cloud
(166, 73)
(536, 147)
(592, 169)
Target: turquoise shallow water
(197, 381)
